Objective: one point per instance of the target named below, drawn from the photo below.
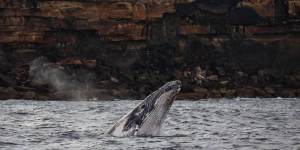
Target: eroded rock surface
(248, 48)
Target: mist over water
(212, 124)
(42, 72)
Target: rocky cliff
(127, 48)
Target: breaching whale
(147, 117)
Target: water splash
(76, 86)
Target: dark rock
(227, 92)
(221, 71)
(187, 87)
(246, 92)
(201, 92)
(91, 64)
(192, 96)
(215, 94)
(43, 97)
(199, 74)
(4, 64)
(8, 93)
(297, 77)
(28, 95)
(297, 92)
(120, 93)
(270, 90)
(288, 93)
(261, 93)
(240, 74)
(113, 79)
(212, 78)
(179, 74)
(212, 6)
(225, 82)
(6, 80)
(254, 79)
(244, 16)
(187, 74)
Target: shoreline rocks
(104, 94)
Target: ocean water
(239, 123)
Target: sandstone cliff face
(130, 44)
(38, 22)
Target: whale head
(147, 117)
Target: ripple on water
(69, 135)
(21, 113)
(2, 143)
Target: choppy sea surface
(210, 124)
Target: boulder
(30, 95)
(6, 80)
(297, 92)
(246, 92)
(215, 94)
(261, 93)
(91, 64)
(120, 93)
(199, 73)
(228, 92)
(240, 74)
(287, 93)
(191, 96)
(269, 90)
(224, 82)
(254, 79)
(297, 77)
(8, 93)
(42, 97)
(212, 77)
(194, 93)
(201, 92)
(113, 79)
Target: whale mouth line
(147, 117)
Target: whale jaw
(147, 117)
